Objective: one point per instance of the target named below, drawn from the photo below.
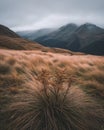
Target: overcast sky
(35, 14)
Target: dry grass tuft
(94, 88)
(11, 61)
(10, 80)
(54, 107)
(5, 68)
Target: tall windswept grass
(61, 92)
(53, 106)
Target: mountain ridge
(77, 40)
(32, 34)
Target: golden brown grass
(51, 91)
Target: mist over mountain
(33, 34)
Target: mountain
(72, 37)
(63, 32)
(59, 37)
(94, 47)
(33, 34)
(87, 38)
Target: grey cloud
(29, 14)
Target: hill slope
(5, 31)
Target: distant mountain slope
(94, 48)
(33, 34)
(76, 38)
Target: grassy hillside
(22, 44)
(51, 91)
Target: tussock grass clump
(94, 75)
(19, 70)
(5, 68)
(53, 106)
(1, 57)
(94, 88)
(7, 81)
(11, 61)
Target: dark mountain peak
(89, 24)
(62, 33)
(69, 26)
(5, 31)
(89, 28)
